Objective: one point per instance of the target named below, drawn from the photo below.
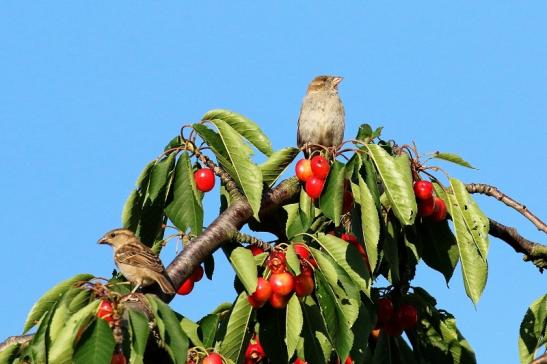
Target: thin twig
(494, 192)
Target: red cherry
(118, 358)
(186, 287)
(407, 316)
(300, 361)
(301, 251)
(256, 250)
(426, 207)
(212, 358)
(105, 311)
(423, 190)
(279, 301)
(320, 167)
(314, 187)
(205, 179)
(385, 310)
(255, 352)
(313, 262)
(197, 274)
(282, 283)
(374, 334)
(303, 284)
(303, 170)
(348, 360)
(439, 212)
(347, 204)
(277, 262)
(261, 294)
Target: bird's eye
(112, 235)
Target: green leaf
(533, 329)
(276, 164)
(159, 176)
(337, 324)
(72, 301)
(8, 354)
(333, 194)
(294, 224)
(391, 250)
(175, 340)
(132, 209)
(62, 349)
(245, 173)
(397, 180)
(191, 328)
(370, 223)
(371, 178)
(292, 260)
(238, 324)
(476, 221)
(454, 158)
(440, 249)
(208, 327)
(138, 331)
(307, 210)
(294, 324)
(244, 264)
(244, 126)
(474, 265)
(40, 341)
(185, 211)
(348, 258)
(96, 345)
(317, 347)
(50, 297)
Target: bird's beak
(337, 80)
(103, 240)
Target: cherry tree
(370, 208)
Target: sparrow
(136, 261)
(321, 119)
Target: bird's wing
(140, 256)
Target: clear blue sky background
(91, 91)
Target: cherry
(261, 294)
(347, 203)
(301, 251)
(385, 310)
(439, 212)
(426, 207)
(186, 287)
(303, 284)
(212, 358)
(407, 316)
(277, 262)
(314, 187)
(300, 361)
(255, 352)
(118, 358)
(423, 190)
(205, 179)
(197, 274)
(393, 328)
(282, 283)
(279, 301)
(256, 250)
(105, 311)
(374, 334)
(320, 167)
(348, 360)
(303, 170)
(350, 238)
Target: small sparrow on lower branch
(138, 264)
(321, 119)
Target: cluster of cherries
(313, 173)
(188, 285)
(429, 205)
(106, 312)
(281, 284)
(394, 321)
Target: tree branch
(534, 252)
(22, 340)
(541, 359)
(494, 192)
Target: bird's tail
(165, 285)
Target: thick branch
(223, 228)
(534, 252)
(494, 192)
(23, 339)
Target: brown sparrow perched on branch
(321, 119)
(136, 261)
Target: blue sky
(91, 91)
